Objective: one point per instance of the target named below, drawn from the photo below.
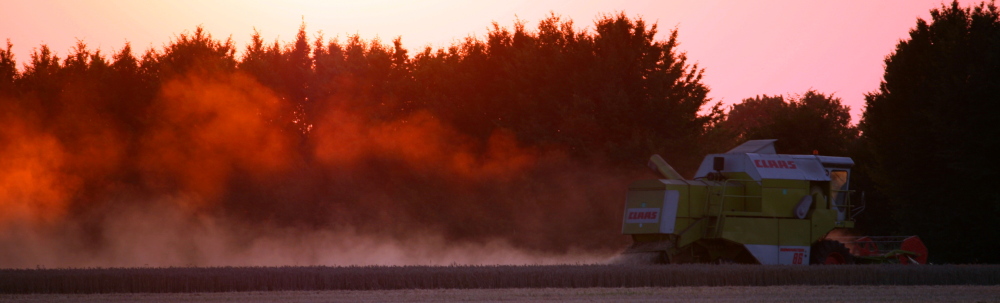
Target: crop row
(226, 279)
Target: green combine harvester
(752, 205)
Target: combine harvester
(752, 205)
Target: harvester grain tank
(753, 205)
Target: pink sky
(747, 48)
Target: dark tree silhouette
(132, 89)
(287, 72)
(615, 93)
(195, 52)
(39, 83)
(8, 70)
(931, 128)
(803, 124)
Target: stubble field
(499, 283)
(814, 294)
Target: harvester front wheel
(829, 252)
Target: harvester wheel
(829, 252)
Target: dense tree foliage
(616, 93)
(931, 130)
(804, 124)
(8, 69)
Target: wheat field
(770, 294)
(250, 279)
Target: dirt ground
(813, 294)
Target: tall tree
(196, 52)
(132, 90)
(8, 69)
(40, 83)
(931, 127)
(298, 67)
(328, 69)
(285, 70)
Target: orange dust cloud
(422, 142)
(93, 139)
(218, 171)
(33, 187)
(50, 153)
(208, 127)
(158, 234)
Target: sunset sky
(747, 48)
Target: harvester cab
(750, 205)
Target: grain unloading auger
(752, 205)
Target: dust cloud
(219, 172)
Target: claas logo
(775, 164)
(643, 215)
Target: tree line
(613, 92)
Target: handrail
(855, 211)
(722, 201)
(847, 207)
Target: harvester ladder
(848, 209)
(715, 222)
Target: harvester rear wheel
(830, 252)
